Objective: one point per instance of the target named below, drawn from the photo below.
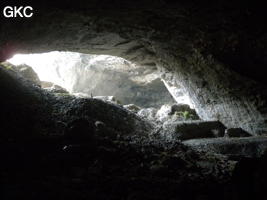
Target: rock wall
(214, 50)
(221, 94)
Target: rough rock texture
(148, 113)
(57, 89)
(176, 112)
(46, 84)
(25, 71)
(168, 113)
(50, 148)
(132, 108)
(46, 111)
(215, 50)
(113, 115)
(53, 87)
(177, 92)
(107, 98)
(192, 129)
(233, 147)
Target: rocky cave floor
(57, 146)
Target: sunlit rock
(175, 112)
(164, 113)
(148, 113)
(46, 84)
(25, 71)
(132, 107)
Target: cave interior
(132, 100)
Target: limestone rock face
(217, 57)
(231, 110)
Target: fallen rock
(132, 107)
(193, 129)
(81, 95)
(175, 112)
(148, 113)
(234, 147)
(51, 87)
(46, 84)
(57, 89)
(25, 71)
(28, 73)
(108, 98)
(184, 111)
(163, 114)
(236, 132)
(114, 116)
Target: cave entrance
(109, 78)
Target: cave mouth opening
(141, 89)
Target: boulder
(193, 129)
(163, 114)
(53, 87)
(148, 113)
(114, 117)
(25, 71)
(236, 132)
(81, 95)
(57, 89)
(233, 147)
(108, 98)
(46, 84)
(132, 107)
(28, 73)
(184, 111)
(175, 112)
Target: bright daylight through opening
(102, 75)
